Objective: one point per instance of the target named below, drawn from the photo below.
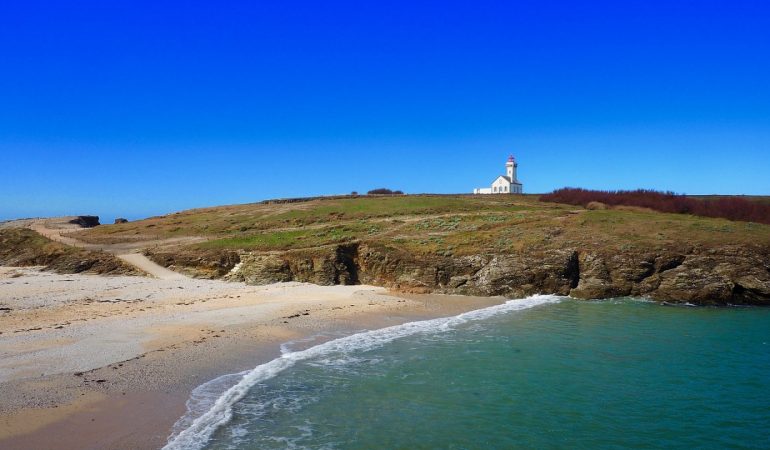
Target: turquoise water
(555, 373)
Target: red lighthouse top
(511, 159)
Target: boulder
(86, 221)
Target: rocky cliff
(726, 275)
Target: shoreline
(186, 337)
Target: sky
(133, 109)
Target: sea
(536, 373)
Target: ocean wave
(205, 414)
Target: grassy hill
(484, 245)
(460, 225)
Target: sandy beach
(108, 362)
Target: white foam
(198, 426)
(203, 396)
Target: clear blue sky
(130, 108)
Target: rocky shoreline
(729, 275)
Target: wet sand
(93, 362)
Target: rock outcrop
(719, 276)
(208, 264)
(86, 221)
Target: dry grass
(446, 225)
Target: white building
(505, 184)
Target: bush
(731, 208)
(596, 206)
(383, 191)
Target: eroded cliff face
(731, 275)
(720, 276)
(327, 267)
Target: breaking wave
(211, 404)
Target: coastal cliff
(484, 245)
(718, 276)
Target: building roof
(508, 179)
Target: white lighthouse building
(505, 184)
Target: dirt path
(59, 229)
(56, 230)
(144, 263)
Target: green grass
(286, 240)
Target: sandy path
(59, 230)
(144, 263)
(56, 230)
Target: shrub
(384, 191)
(731, 208)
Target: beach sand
(92, 362)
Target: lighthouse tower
(510, 168)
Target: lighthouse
(505, 184)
